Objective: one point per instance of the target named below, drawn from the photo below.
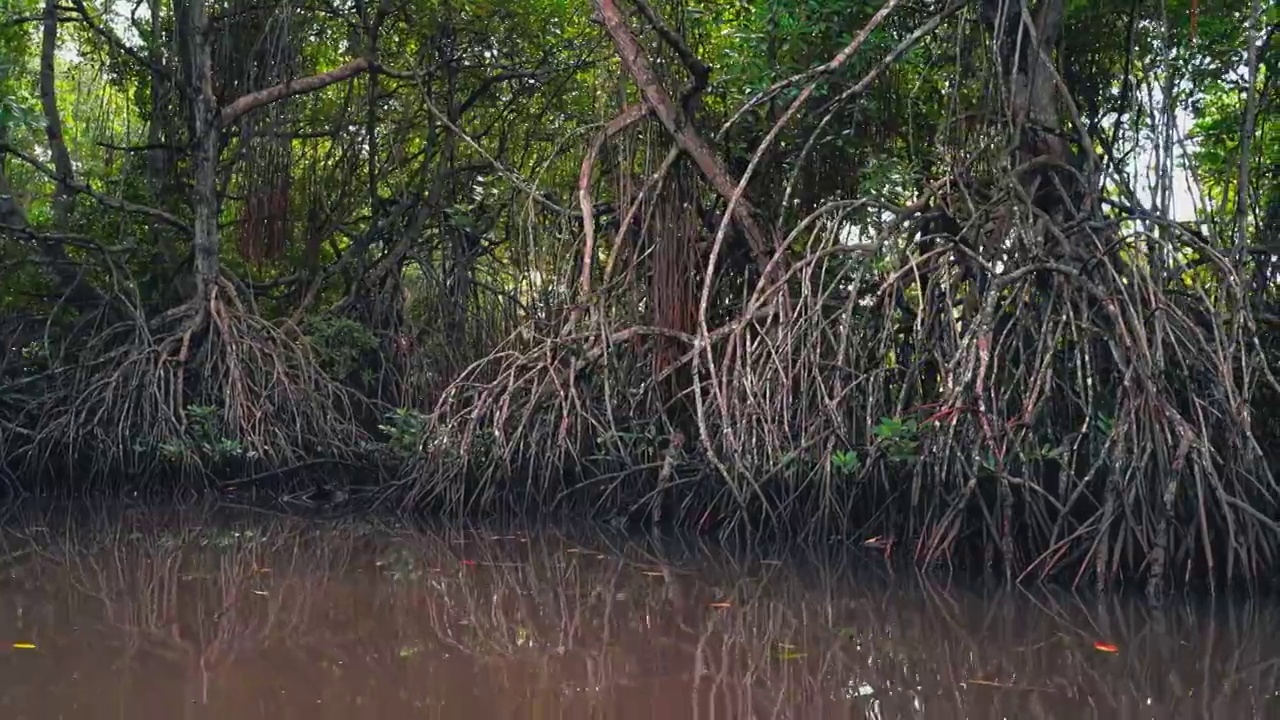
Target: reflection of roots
(125, 403)
(195, 591)
(1075, 415)
(810, 635)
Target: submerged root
(207, 385)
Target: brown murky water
(147, 615)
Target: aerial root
(205, 383)
(1056, 416)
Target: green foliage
(17, 51)
(203, 440)
(340, 344)
(898, 437)
(405, 430)
(846, 462)
(16, 115)
(1104, 424)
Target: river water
(191, 614)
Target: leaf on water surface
(24, 646)
(1105, 647)
(786, 651)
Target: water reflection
(186, 614)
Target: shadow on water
(193, 614)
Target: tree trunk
(159, 157)
(205, 129)
(67, 278)
(1026, 65)
(63, 196)
(207, 122)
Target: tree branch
(700, 71)
(266, 96)
(488, 83)
(636, 63)
(66, 275)
(116, 42)
(109, 201)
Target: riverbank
(877, 531)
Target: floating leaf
(787, 651)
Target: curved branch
(735, 196)
(254, 100)
(628, 117)
(108, 200)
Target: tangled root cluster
(202, 385)
(1023, 390)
